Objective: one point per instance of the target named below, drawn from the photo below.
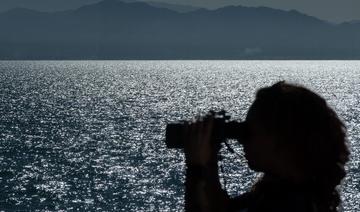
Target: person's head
(292, 127)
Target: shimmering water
(89, 135)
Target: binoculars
(223, 129)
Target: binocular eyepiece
(223, 129)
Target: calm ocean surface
(89, 135)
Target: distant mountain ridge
(176, 7)
(74, 4)
(354, 22)
(112, 29)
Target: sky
(330, 10)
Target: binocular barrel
(176, 134)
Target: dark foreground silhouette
(293, 137)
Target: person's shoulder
(241, 203)
(279, 201)
(285, 200)
(297, 202)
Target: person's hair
(302, 119)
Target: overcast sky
(331, 10)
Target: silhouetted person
(293, 137)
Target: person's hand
(200, 147)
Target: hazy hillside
(61, 5)
(44, 5)
(116, 30)
(175, 7)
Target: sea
(89, 135)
